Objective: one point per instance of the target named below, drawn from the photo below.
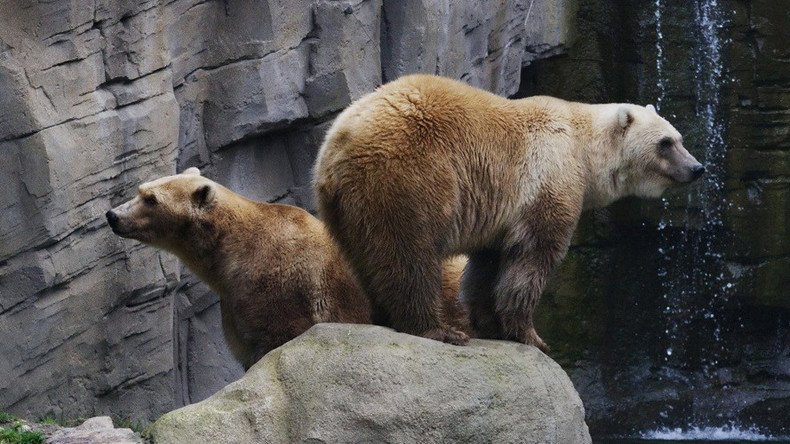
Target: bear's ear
(624, 117)
(203, 196)
(651, 108)
(192, 170)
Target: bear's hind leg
(408, 291)
(391, 242)
(478, 293)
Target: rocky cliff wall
(97, 97)
(679, 309)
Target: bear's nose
(697, 171)
(112, 218)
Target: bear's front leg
(517, 292)
(532, 249)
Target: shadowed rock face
(680, 310)
(355, 383)
(97, 97)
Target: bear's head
(651, 155)
(166, 212)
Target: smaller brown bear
(275, 267)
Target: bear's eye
(150, 200)
(665, 145)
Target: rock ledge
(362, 383)
(98, 430)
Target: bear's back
(419, 112)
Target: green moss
(15, 435)
(59, 420)
(6, 417)
(51, 419)
(126, 423)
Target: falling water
(666, 247)
(697, 284)
(702, 236)
(708, 245)
(660, 78)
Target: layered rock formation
(353, 383)
(97, 97)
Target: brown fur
(275, 267)
(427, 167)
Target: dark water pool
(710, 435)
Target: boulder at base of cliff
(362, 383)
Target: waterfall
(710, 196)
(700, 240)
(660, 77)
(696, 281)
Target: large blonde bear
(275, 268)
(427, 167)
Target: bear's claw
(446, 334)
(532, 338)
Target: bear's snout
(112, 219)
(688, 173)
(697, 171)
(118, 223)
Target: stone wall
(97, 97)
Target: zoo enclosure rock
(358, 383)
(97, 97)
(97, 430)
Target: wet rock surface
(354, 383)
(679, 309)
(97, 97)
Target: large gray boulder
(362, 383)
